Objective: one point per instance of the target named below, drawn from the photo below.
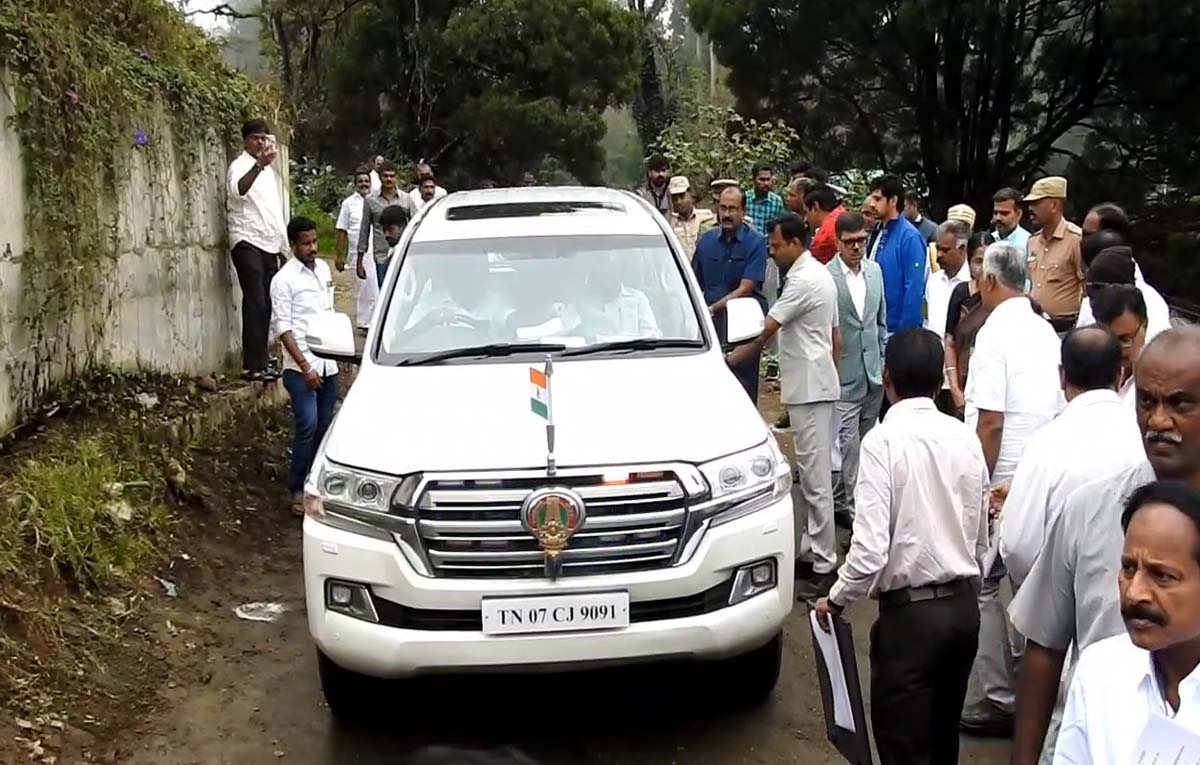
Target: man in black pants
(920, 537)
(258, 236)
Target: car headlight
(745, 482)
(362, 502)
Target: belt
(906, 595)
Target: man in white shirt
(613, 310)
(258, 237)
(805, 318)
(1094, 435)
(920, 535)
(1013, 389)
(375, 163)
(1068, 597)
(349, 227)
(1140, 689)
(1122, 310)
(421, 197)
(951, 245)
(1114, 266)
(301, 290)
(1006, 218)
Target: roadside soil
(197, 684)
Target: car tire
(348, 694)
(751, 677)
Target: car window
(576, 291)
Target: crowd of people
(983, 407)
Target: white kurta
(366, 290)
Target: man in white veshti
(349, 224)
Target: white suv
(544, 462)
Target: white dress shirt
(856, 284)
(415, 195)
(350, 221)
(376, 183)
(257, 216)
(920, 504)
(1114, 694)
(626, 316)
(1014, 371)
(938, 287)
(1094, 435)
(298, 293)
(1158, 313)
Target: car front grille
(471, 527)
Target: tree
(484, 88)
(970, 94)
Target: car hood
(686, 408)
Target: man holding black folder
(920, 537)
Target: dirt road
(247, 692)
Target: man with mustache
(1148, 671)
(1068, 597)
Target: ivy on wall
(90, 77)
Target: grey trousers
(1000, 646)
(855, 419)
(816, 540)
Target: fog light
(350, 599)
(763, 574)
(753, 579)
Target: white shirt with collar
(626, 316)
(856, 284)
(920, 504)
(938, 286)
(1158, 313)
(1094, 435)
(256, 217)
(298, 293)
(415, 195)
(1113, 695)
(376, 183)
(1014, 371)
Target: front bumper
(381, 650)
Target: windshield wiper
(635, 344)
(489, 350)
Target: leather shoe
(985, 719)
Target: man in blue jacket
(900, 251)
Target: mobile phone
(270, 142)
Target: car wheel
(752, 676)
(348, 694)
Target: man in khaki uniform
(1055, 262)
(687, 221)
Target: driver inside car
(458, 296)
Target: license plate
(556, 613)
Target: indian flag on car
(539, 393)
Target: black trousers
(921, 657)
(255, 269)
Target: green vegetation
(86, 512)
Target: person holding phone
(258, 238)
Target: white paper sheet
(843, 716)
(1166, 742)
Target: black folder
(854, 745)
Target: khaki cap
(963, 213)
(679, 185)
(722, 183)
(1054, 187)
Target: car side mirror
(331, 336)
(743, 320)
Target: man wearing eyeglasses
(862, 321)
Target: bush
(326, 231)
(320, 184)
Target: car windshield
(570, 291)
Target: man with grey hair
(950, 241)
(1013, 388)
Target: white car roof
(537, 211)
